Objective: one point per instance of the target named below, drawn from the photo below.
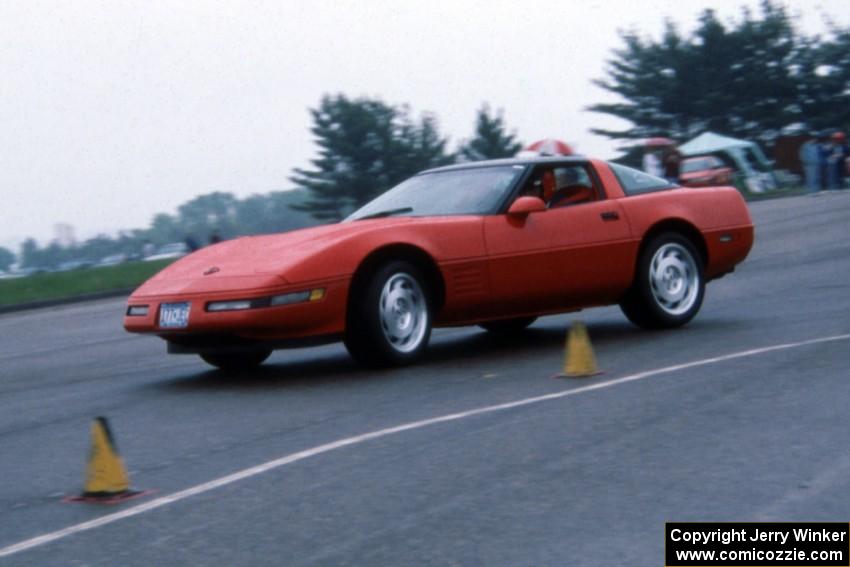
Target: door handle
(610, 216)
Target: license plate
(174, 315)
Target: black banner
(764, 544)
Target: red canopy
(655, 142)
(550, 147)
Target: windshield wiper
(387, 213)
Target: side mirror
(526, 205)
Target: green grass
(59, 285)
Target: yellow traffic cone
(579, 360)
(106, 477)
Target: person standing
(810, 159)
(651, 163)
(672, 160)
(837, 158)
(824, 148)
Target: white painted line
(307, 453)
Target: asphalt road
(587, 477)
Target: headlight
(229, 305)
(288, 298)
(275, 300)
(137, 310)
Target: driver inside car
(542, 186)
(572, 188)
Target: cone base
(582, 375)
(106, 497)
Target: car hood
(254, 262)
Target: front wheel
(389, 319)
(232, 362)
(669, 284)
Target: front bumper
(322, 317)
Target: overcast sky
(113, 111)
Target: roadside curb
(31, 305)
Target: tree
(823, 72)
(53, 255)
(281, 214)
(419, 146)
(29, 253)
(491, 141)
(270, 213)
(164, 228)
(749, 78)
(6, 259)
(365, 147)
(205, 214)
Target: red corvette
(494, 243)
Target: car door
(575, 254)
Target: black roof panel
(510, 161)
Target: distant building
(64, 235)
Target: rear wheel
(508, 326)
(232, 362)
(389, 319)
(669, 284)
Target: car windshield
(474, 191)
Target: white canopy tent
(748, 158)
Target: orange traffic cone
(579, 361)
(106, 477)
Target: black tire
(669, 285)
(508, 326)
(233, 362)
(389, 316)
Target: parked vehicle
(704, 171)
(112, 260)
(70, 265)
(172, 250)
